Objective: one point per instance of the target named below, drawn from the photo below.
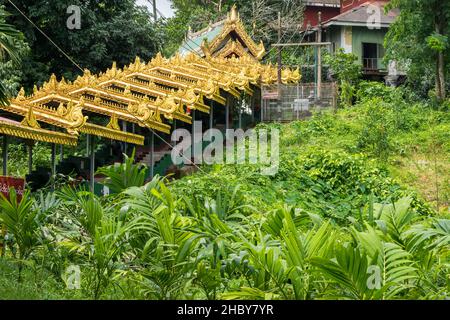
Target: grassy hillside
(334, 161)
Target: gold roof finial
(113, 123)
(21, 96)
(30, 119)
(233, 16)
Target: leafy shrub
(375, 135)
(121, 176)
(368, 90)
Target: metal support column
(240, 118)
(92, 164)
(211, 116)
(319, 58)
(227, 115)
(61, 153)
(193, 142)
(88, 145)
(152, 154)
(173, 143)
(53, 159)
(30, 158)
(125, 145)
(262, 108)
(252, 104)
(53, 178)
(5, 155)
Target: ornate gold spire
(233, 15)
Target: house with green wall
(358, 28)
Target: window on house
(372, 55)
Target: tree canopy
(111, 30)
(420, 40)
(259, 16)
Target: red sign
(8, 182)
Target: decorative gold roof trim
(65, 92)
(209, 89)
(225, 83)
(117, 76)
(205, 68)
(182, 68)
(121, 113)
(36, 134)
(232, 47)
(71, 120)
(30, 119)
(234, 24)
(113, 134)
(186, 97)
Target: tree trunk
(441, 73)
(438, 80)
(440, 63)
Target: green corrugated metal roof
(194, 43)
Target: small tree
(419, 39)
(22, 222)
(121, 176)
(347, 71)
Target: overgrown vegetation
(347, 216)
(359, 208)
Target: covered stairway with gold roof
(151, 96)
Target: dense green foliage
(419, 41)
(259, 17)
(11, 49)
(347, 72)
(110, 31)
(359, 208)
(338, 220)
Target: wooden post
(279, 49)
(319, 58)
(5, 155)
(155, 14)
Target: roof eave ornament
(205, 48)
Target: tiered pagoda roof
(146, 94)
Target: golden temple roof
(149, 93)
